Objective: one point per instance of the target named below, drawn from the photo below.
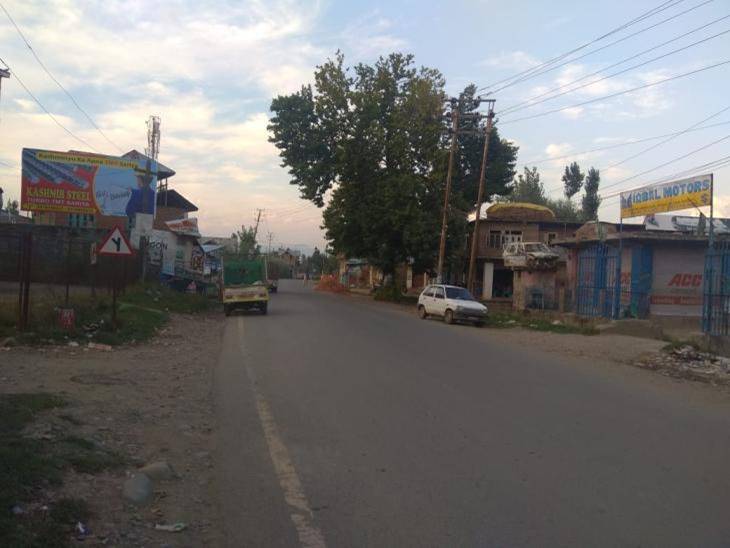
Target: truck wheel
(422, 312)
(265, 308)
(449, 317)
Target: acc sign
(116, 243)
(663, 197)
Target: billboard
(81, 182)
(663, 197)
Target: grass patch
(393, 294)
(504, 320)
(29, 466)
(162, 298)
(675, 344)
(141, 311)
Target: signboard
(81, 182)
(677, 282)
(683, 194)
(188, 227)
(116, 243)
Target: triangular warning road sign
(116, 243)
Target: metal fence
(716, 290)
(56, 264)
(598, 288)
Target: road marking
(300, 512)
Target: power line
(48, 72)
(716, 164)
(545, 159)
(589, 53)
(59, 124)
(532, 101)
(644, 151)
(612, 95)
(533, 71)
(725, 138)
(652, 147)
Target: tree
(244, 241)
(528, 188)
(372, 137)
(591, 201)
(572, 180)
(564, 210)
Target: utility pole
(480, 198)
(4, 73)
(256, 227)
(447, 192)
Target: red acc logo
(686, 280)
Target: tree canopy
(572, 180)
(591, 201)
(372, 143)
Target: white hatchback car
(452, 303)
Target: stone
(72, 343)
(7, 341)
(160, 470)
(138, 489)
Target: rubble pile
(687, 362)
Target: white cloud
(517, 60)
(208, 69)
(371, 36)
(558, 149)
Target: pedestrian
(306, 279)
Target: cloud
(207, 68)
(558, 149)
(516, 60)
(371, 36)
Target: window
(495, 239)
(511, 236)
(428, 292)
(80, 220)
(459, 293)
(439, 292)
(550, 237)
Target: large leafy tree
(371, 138)
(371, 142)
(591, 201)
(572, 180)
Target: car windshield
(459, 293)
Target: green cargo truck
(244, 285)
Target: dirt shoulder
(145, 403)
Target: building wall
(677, 281)
(530, 232)
(167, 213)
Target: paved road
(344, 422)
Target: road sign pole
(114, 297)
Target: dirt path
(150, 403)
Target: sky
(209, 69)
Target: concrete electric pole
(480, 198)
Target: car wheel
(422, 312)
(226, 310)
(449, 317)
(479, 323)
(265, 308)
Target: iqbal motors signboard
(663, 197)
(79, 182)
